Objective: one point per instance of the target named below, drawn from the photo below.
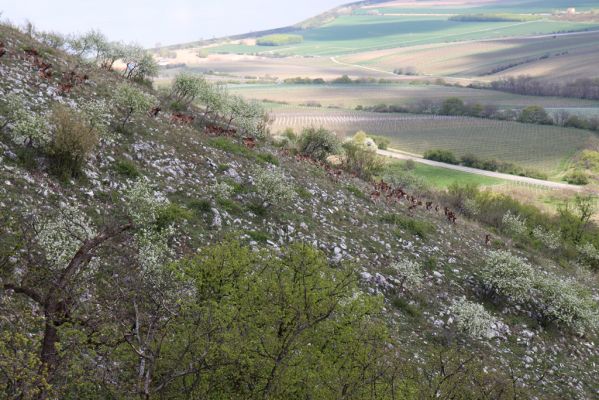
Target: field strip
(457, 43)
(514, 178)
(333, 59)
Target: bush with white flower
(588, 255)
(144, 206)
(409, 274)
(272, 187)
(62, 235)
(143, 203)
(547, 238)
(567, 303)
(551, 298)
(31, 129)
(472, 319)
(514, 224)
(223, 190)
(508, 275)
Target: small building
(571, 11)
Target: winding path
(514, 178)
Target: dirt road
(514, 178)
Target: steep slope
(332, 212)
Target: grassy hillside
(184, 260)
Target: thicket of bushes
(472, 161)
(279, 40)
(564, 234)
(487, 18)
(454, 106)
(305, 81)
(583, 88)
(551, 299)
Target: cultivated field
(545, 148)
(561, 57)
(249, 67)
(349, 96)
(478, 6)
(359, 33)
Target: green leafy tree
(287, 326)
(318, 143)
(453, 106)
(131, 100)
(534, 115)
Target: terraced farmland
(545, 148)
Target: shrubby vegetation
(551, 298)
(132, 100)
(305, 81)
(583, 88)
(444, 156)
(472, 319)
(455, 106)
(361, 161)
(73, 140)
(318, 143)
(272, 187)
(562, 233)
(488, 18)
(409, 274)
(514, 224)
(472, 161)
(248, 117)
(279, 40)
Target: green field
(358, 33)
(545, 148)
(442, 178)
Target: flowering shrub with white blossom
(31, 129)
(409, 274)
(553, 299)
(472, 319)
(514, 224)
(567, 303)
(549, 239)
(143, 203)
(223, 190)
(153, 248)
(272, 187)
(508, 275)
(62, 235)
(588, 255)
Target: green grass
(414, 226)
(442, 178)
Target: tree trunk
(49, 357)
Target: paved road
(514, 178)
